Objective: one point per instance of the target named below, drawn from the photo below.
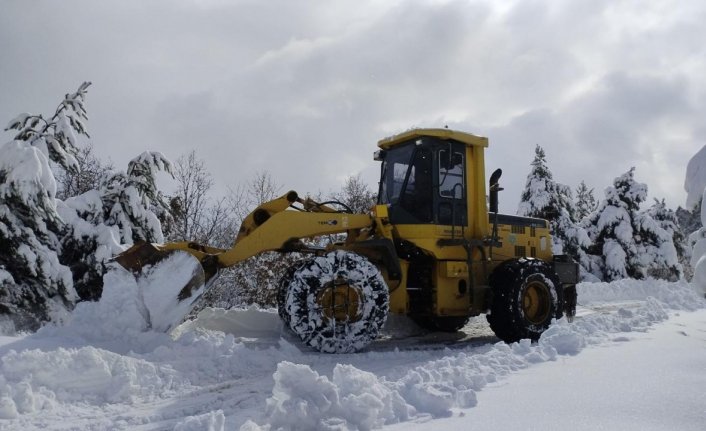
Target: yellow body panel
(453, 269)
(399, 302)
(529, 242)
(452, 293)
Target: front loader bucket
(140, 255)
(170, 282)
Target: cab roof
(466, 138)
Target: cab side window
(451, 174)
(452, 203)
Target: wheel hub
(340, 301)
(536, 302)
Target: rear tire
(527, 295)
(336, 303)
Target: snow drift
(106, 369)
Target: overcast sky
(305, 90)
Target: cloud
(619, 122)
(306, 90)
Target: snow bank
(213, 421)
(356, 399)
(118, 322)
(303, 399)
(34, 380)
(105, 368)
(695, 181)
(698, 254)
(98, 372)
(677, 296)
(117, 359)
(252, 322)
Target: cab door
(450, 198)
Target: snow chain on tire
(335, 303)
(527, 295)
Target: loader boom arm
(286, 227)
(274, 225)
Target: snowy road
(635, 358)
(644, 381)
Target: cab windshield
(395, 169)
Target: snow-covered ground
(639, 381)
(633, 359)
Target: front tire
(527, 295)
(336, 303)
(282, 289)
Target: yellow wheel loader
(434, 248)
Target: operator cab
(423, 181)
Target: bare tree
(260, 189)
(253, 280)
(219, 226)
(356, 195)
(88, 177)
(196, 216)
(189, 202)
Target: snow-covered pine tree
(546, 199)
(87, 243)
(133, 202)
(626, 241)
(668, 220)
(689, 220)
(585, 202)
(56, 137)
(101, 223)
(34, 285)
(539, 198)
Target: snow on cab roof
(466, 138)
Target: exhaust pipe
(493, 190)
